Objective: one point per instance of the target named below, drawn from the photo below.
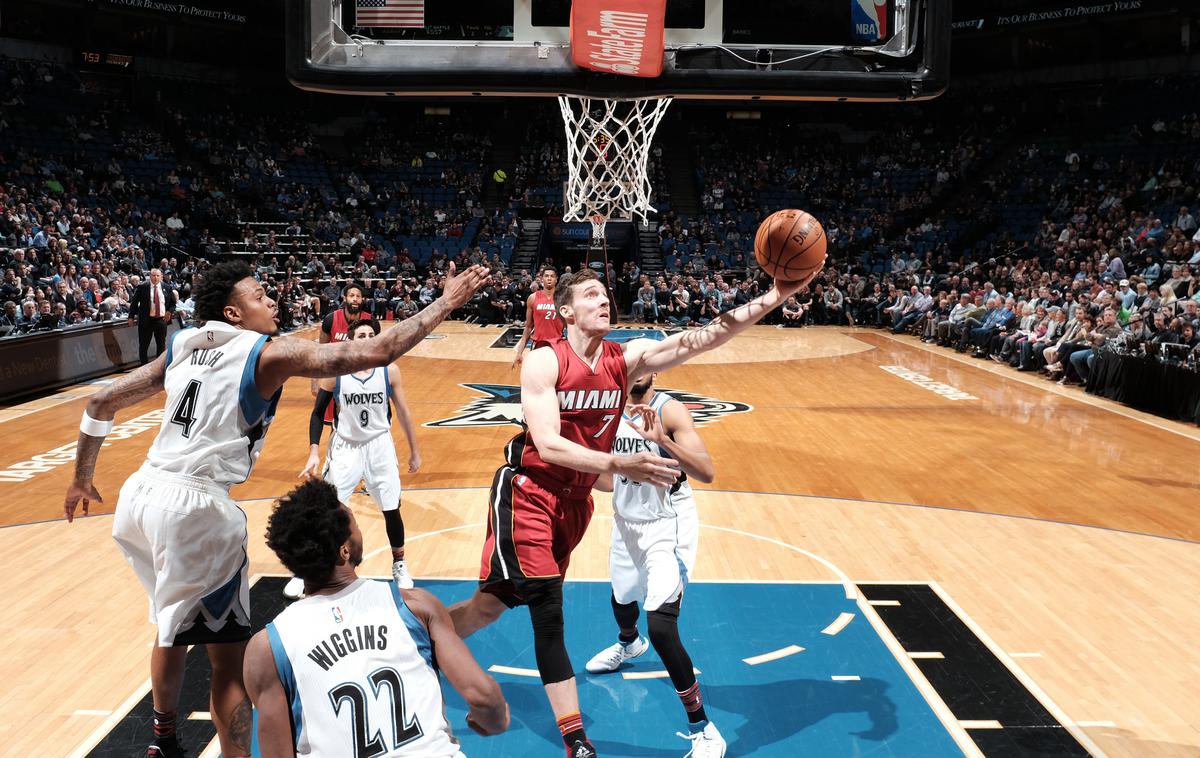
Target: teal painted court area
(625, 335)
(787, 707)
(790, 706)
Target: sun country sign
(619, 36)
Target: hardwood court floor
(1062, 524)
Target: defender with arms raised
(175, 522)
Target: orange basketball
(790, 245)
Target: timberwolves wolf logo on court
(501, 404)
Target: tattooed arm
(145, 382)
(290, 357)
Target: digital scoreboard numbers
(103, 61)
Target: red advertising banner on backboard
(618, 36)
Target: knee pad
(544, 597)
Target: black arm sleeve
(317, 419)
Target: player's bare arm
(645, 356)
(539, 402)
(406, 422)
(143, 383)
(675, 432)
(316, 424)
(266, 692)
(288, 357)
(488, 711)
(526, 332)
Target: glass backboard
(740, 49)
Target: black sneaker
(166, 748)
(581, 749)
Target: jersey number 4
(185, 409)
(404, 729)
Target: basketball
(790, 245)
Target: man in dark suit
(153, 307)
(62, 294)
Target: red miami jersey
(589, 406)
(547, 324)
(339, 329)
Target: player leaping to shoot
(572, 393)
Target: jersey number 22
(404, 729)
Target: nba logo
(337, 614)
(210, 336)
(869, 20)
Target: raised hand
(460, 287)
(651, 429)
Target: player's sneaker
(400, 573)
(581, 749)
(166, 748)
(706, 744)
(611, 658)
(294, 589)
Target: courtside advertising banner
(619, 36)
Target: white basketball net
(608, 155)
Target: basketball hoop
(611, 181)
(598, 223)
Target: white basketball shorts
(373, 462)
(650, 561)
(186, 540)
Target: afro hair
(306, 530)
(216, 289)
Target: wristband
(93, 428)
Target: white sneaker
(400, 573)
(294, 589)
(611, 658)
(706, 744)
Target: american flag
(407, 13)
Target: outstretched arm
(145, 382)
(648, 356)
(288, 357)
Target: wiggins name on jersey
(357, 668)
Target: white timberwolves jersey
(357, 669)
(215, 418)
(636, 501)
(362, 406)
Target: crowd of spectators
(1033, 248)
